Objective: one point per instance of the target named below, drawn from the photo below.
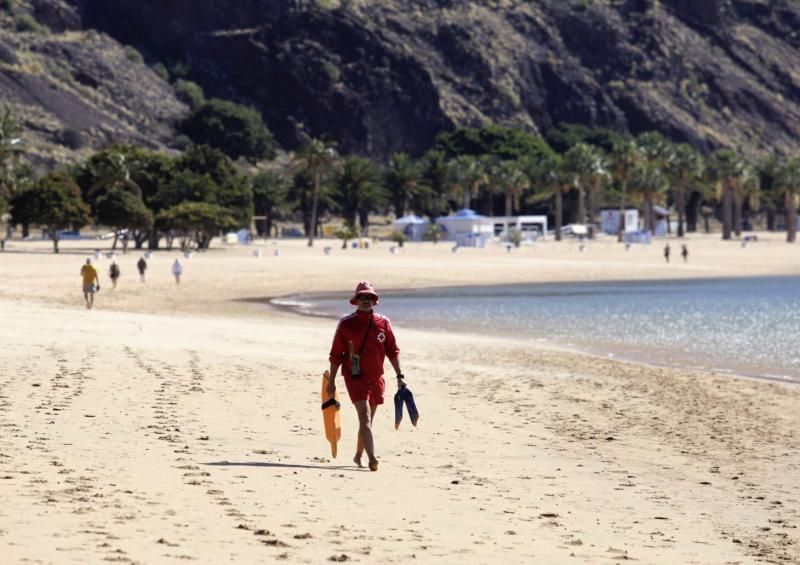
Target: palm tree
(507, 177)
(589, 166)
(319, 158)
(552, 181)
(360, 190)
(403, 181)
(466, 175)
(431, 200)
(624, 156)
(648, 181)
(768, 170)
(270, 189)
(726, 170)
(598, 175)
(788, 184)
(746, 191)
(113, 170)
(683, 165)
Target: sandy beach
(181, 423)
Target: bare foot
(373, 465)
(357, 461)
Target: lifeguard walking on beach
(361, 343)
(91, 283)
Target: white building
(466, 228)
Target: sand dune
(175, 424)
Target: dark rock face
(387, 75)
(77, 91)
(56, 15)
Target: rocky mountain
(380, 76)
(74, 89)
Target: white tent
(413, 227)
(466, 228)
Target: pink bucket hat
(364, 288)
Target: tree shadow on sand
(350, 468)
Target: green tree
(190, 93)
(360, 191)
(466, 175)
(624, 156)
(319, 159)
(566, 136)
(53, 202)
(211, 176)
(507, 178)
(768, 170)
(15, 172)
(552, 180)
(497, 141)
(140, 171)
(196, 222)
(123, 210)
(432, 201)
(726, 170)
(270, 192)
(403, 176)
(236, 130)
(588, 164)
(154, 170)
(649, 182)
(788, 185)
(9, 148)
(683, 166)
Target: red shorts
(370, 390)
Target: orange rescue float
(330, 414)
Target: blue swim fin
(411, 406)
(404, 396)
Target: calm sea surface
(746, 326)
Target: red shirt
(379, 343)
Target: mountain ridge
(386, 76)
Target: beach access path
(171, 424)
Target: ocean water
(747, 326)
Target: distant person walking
(141, 264)
(113, 273)
(361, 343)
(177, 271)
(685, 253)
(91, 283)
(666, 253)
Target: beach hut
(609, 220)
(531, 227)
(413, 227)
(466, 228)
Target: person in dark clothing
(113, 273)
(685, 253)
(666, 253)
(141, 264)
